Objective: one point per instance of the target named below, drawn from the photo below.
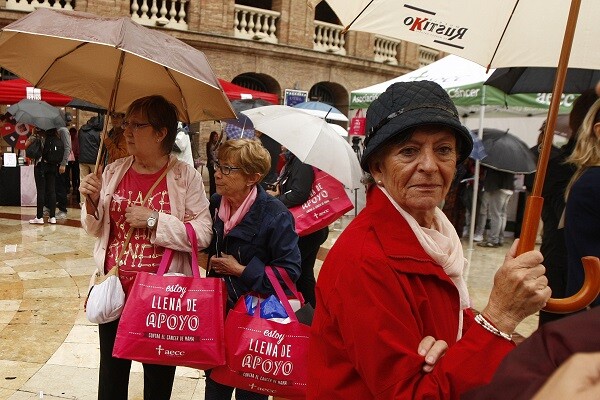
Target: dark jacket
(89, 140)
(264, 237)
(295, 182)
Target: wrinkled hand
(90, 186)
(431, 350)
(520, 289)
(577, 378)
(226, 265)
(137, 216)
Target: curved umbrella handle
(588, 292)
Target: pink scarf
(230, 221)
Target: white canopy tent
(479, 105)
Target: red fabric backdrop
(15, 90)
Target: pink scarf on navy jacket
(230, 221)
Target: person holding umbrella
(114, 140)
(114, 213)
(394, 275)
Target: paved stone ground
(47, 345)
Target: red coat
(378, 294)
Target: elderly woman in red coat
(394, 276)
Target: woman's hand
(90, 186)
(577, 378)
(137, 216)
(432, 350)
(226, 265)
(520, 289)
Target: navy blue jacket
(264, 237)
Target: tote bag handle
(279, 290)
(167, 257)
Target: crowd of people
(393, 316)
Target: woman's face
(418, 173)
(141, 138)
(233, 185)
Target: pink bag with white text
(174, 320)
(264, 356)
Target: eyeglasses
(117, 115)
(134, 126)
(225, 169)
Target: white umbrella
(495, 33)
(322, 110)
(339, 129)
(311, 139)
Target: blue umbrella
(322, 110)
(478, 152)
(240, 127)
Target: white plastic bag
(105, 300)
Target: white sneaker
(477, 238)
(52, 220)
(39, 221)
(61, 215)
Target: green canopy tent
(464, 82)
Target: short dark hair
(161, 113)
(581, 105)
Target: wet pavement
(47, 346)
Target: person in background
(498, 187)
(73, 164)
(582, 216)
(394, 275)
(182, 148)
(114, 140)
(211, 154)
(251, 230)
(62, 179)
(112, 206)
(293, 189)
(45, 180)
(558, 175)
(274, 149)
(89, 145)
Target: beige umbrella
(111, 62)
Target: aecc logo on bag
(167, 352)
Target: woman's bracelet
(491, 328)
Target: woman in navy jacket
(251, 230)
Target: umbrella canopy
(86, 106)
(495, 33)
(37, 113)
(311, 139)
(14, 90)
(478, 152)
(541, 79)
(248, 104)
(240, 127)
(507, 153)
(339, 129)
(111, 62)
(322, 110)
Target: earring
(380, 183)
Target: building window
(320, 92)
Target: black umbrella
(247, 104)
(86, 106)
(541, 79)
(506, 152)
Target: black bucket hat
(407, 105)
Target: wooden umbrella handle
(588, 292)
